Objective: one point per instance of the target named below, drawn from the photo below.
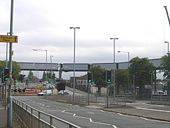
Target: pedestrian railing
(33, 118)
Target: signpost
(6, 38)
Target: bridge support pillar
(60, 71)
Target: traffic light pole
(107, 97)
(88, 100)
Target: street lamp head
(114, 38)
(39, 50)
(74, 27)
(166, 42)
(35, 49)
(118, 51)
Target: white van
(45, 92)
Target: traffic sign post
(6, 38)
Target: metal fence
(33, 118)
(160, 99)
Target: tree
(98, 77)
(15, 69)
(44, 76)
(30, 76)
(165, 66)
(121, 80)
(140, 71)
(21, 77)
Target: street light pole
(45, 60)
(9, 98)
(114, 84)
(168, 47)
(74, 80)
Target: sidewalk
(3, 117)
(127, 110)
(150, 114)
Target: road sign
(5, 38)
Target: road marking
(121, 114)
(144, 118)
(102, 111)
(99, 122)
(114, 126)
(152, 109)
(90, 119)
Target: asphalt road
(89, 117)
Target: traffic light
(89, 75)
(108, 76)
(6, 74)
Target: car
(45, 92)
(160, 92)
(64, 92)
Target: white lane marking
(144, 118)
(74, 115)
(120, 114)
(91, 121)
(158, 110)
(124, 115)
(99, 122)
(114, 126)
(102, 111)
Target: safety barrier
(33, 118)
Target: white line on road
(90, 119)
(102, 111)
(144, 118)
(123, 114)
(114, 126)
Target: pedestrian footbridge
(67, 67)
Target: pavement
(149, 114)
(155, 114)
(3, 116)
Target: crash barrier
(33, 118)
(160, 99)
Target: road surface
(89, 117)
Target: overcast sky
(141, 26)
